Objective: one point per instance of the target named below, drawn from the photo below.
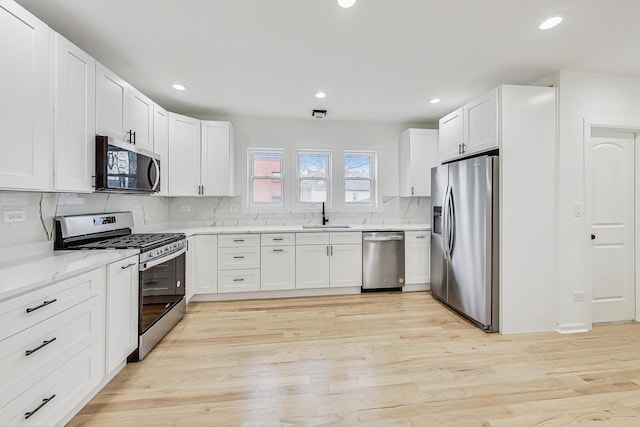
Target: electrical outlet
(386, 207)
(185, 208)
(15, 216)
(352, 214)
(234, 207)
(413, 207)
(578, 296)
(136, 209)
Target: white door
(204, 255)
(610, 159)
(451, 135)
(481, 124)
(112, 104)
(161, 145)
(346, 265)
(75, 117)
(278, 268)
(217, 161)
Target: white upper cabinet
(451, 135)
(418, 154)
(75, 118)
(161, 145)
(141, 119)
(481, 124)
(26, 100)
(471, 129)
(218, 154)
(184, 152)
(112, 104)
(121, 111)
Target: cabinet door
(346, 265)
(141, 119)
(184, 152)
(217, 159)
(122, 310)
(161, 145)
(205, 256)
(416, 257)
(75, 117)
(312, 266)
(451, 135)
(278, 268)
(26, 100)
(424, 155)
(481, 124)
(112, 104)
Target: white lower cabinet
(52, 355)
(239, 280)
(122, 311)
(278, 268)
(203, 255)
(416, 257)
(326, 260)
(238, 263)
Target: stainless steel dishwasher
(382, 259)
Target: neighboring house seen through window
(314, 177)
(266, 178)
(359, 178)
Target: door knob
(593, 237)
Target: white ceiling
(381, 60)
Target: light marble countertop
(27, 274)
(191, 230)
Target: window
(266, 178)
(314, 177)
(359, 178)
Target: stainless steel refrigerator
(464, 238)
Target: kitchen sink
(326, 226)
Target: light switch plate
(15, 216)
(185, 208)
(234, 207)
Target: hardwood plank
(383, 359)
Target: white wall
(582, 95)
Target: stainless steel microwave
(122, 167)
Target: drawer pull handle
(238, 240)
(124, 267)
(238, 280)
(44, 344)
(44, 304)
(278, 239)
(28, 415)
(278, 250)
(239, 257)
(421, 237)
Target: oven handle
(153, 263)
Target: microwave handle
(154, 187)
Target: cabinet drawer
(318, 238)
(22, 312)
(35, 352)
(237, 258)
(417, 237)
(284, 239)
(239, 280)
(337, 238)
(70, 383)
(238, 240)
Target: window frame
(251, 153)
(373, 178)
(328, 178)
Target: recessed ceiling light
(434, 100)
(346, 3)
(179, 87)
(551, 22)
(321, 95)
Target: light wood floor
(388, 359)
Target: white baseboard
(573, 328)
(290, 293)
(416, 287)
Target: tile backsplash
(151, 211)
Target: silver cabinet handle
(278, 250)
(238, 280)
(239, 257)
(421, 237)
(331, 250)
(238, 240)
(383, 239)
(278, 239)
(124, 267)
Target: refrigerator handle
(445, 224)
(452, 224)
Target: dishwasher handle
(383, 239)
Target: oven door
(162, 286)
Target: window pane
(267, 164)
(313, 190)
(357, 191)
(313, 165)
(267, 191)
(357, 166)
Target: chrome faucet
(325, 220)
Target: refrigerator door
(470, 209)
(439, 186)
